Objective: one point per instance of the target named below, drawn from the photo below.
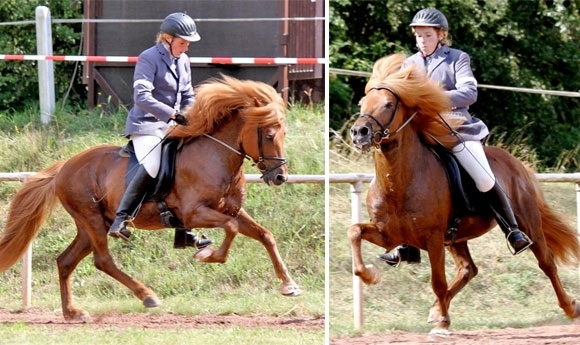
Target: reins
(259, 163)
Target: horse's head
(263, 138)
(380, 118)
(395, 96)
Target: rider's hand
(180, 119)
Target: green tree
(19, 79)
(531, 44)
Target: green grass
(245, 285)
(25, 335)
(508, 291)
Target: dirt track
(553, 334)
(35, 317)
(549, 334)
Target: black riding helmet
(430, 17)
(180, 25)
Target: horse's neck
(399, 161)
(224, 148)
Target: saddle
(466, 198)
(163, 181)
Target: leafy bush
(19, 79)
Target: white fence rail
(356, 181)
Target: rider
(161, 88)
(451, 68)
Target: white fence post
(357, 288)
(27, 278)
(45, 68)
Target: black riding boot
(505, 218)
(133, 197)
(186, 238)
(401, 253)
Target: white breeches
(472, 158)
(148, 152)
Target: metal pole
(578, 217)
(27, 278)
(45, 68)
(357, 290)
(27, 273)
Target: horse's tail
(28, 210)
(561, 238)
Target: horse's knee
(353, 233)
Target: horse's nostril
(364, 131)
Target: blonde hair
(162, 37)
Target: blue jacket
(161, 85)
(452, 69)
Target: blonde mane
(217, 100)
(416, 91)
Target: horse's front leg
(210, 218)
(356, 233)
(439, 312)
(249, 227)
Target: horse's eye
(389, 105)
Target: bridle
(385, 132)
(259, 163)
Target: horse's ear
(361, 101)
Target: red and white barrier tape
(201, 60)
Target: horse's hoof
(203, 254)
(77, 315)
(440, 332)
(290, 290)
(371, 275)
(375, 274)
(151, 302)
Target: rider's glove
(180, 119)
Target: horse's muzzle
(275, 177)
(361, 136)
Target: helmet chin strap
(434, 50)
(171, 48)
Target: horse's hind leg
(548, 266)
(249, 227)
(67, 262)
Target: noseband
(385, 132)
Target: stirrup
(123, 233)
(514, 251)
(390, 262)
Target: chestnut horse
(409, 200)
(230, 121)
